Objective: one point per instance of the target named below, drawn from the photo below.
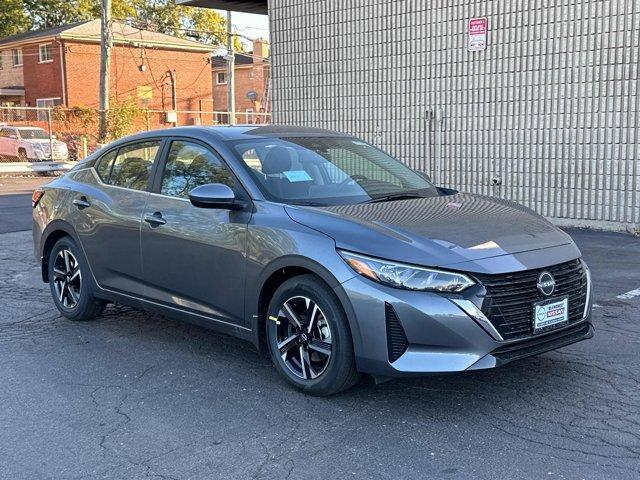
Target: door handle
(81, 203)
(155, 219)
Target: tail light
(35, 198)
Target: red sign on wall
(477, 30)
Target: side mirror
(213, 195)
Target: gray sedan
(317, 247)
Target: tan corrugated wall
(550, 110)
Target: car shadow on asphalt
(545, 372)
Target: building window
(221, 78)
(222, 118)
(46, 103)
(1, 59)
(45, 53)
(249, 114)
(16, 56)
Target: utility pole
(174, 95)
(106, 42)
(231, 66)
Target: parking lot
(134, 395)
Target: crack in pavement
(134, 395)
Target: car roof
(234, 132)
(269, 131)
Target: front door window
(190, 165)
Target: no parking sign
(477, 31)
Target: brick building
(60, 66)
(251, 83)
(544, 110)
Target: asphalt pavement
(15, 202)
(133, 395)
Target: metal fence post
(50, 123)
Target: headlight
(409, 277)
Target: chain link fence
(60, 134)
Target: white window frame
(218, 82)
(13, 58)
(41, 116)
(249, 115)
(43, 46)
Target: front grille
(510, 297)
(396, 339)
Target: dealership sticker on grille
(550, 314)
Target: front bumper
(43, 156)
(440, 336)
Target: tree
(52, 13)
(165, 16)
(13, 18)
(203, 25)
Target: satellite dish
(251, 95)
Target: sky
(250, 25)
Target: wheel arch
(54, 232)
(281, 270)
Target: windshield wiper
(395, 196)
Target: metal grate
(550, 109)
(396, 339)
(510, 297)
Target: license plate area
(550, 314)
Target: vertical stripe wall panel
(546, 116)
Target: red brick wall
(244, 82)
(193, 79)
(41, 80)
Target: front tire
(70, 283)
(309, 337)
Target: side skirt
(177, 313)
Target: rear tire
(309, 337)
(70, 282)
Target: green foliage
(52, 13)
(122, 116)
(83, 115)
(204, 25)
(13, 18)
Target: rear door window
(132, 165)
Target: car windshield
(328, 171)
(33, 134)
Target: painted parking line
(630, 294)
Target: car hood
(437, 231)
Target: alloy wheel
(67, 278)
(303, 337)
